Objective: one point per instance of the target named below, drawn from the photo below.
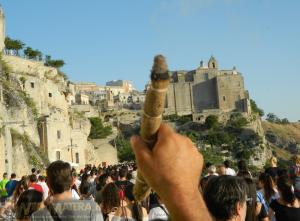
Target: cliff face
(37, 125)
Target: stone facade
(206, 89)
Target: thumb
(140, 149)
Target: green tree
(98, 130)
(256, 109)
(53, 63)
(31, 53)
(272, 118)
(285, 121)
(124, 150)
(211, 122)
(13, 45)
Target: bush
(211, 122)
(98, 130)
(124, 150)
(256, 109)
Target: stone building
(206, 90)
(126, 85)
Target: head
(266, 182)
(41, 179)
(102, 181)
(110, 197)
(59, 177)
(273, 161)
(33, 171)
(212, 169)
(38, 172)
(85, 188)
(286, 189)
(13, 176)
(227, 163)
(123, 173)
(22, 185)
(33, 178)
(29, 202)
(296, 160)
(5, 176)
(137, 212)
(221, 170)
(228, 193)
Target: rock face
(33, 104)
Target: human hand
(173, 168)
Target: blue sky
(107, 40)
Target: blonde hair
(296, 159)
(273, 161)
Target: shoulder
(41, 214)
(275, 205)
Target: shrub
(98, 130)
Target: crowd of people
(182, 189)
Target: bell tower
(212, 63)
(2, 29)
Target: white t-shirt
(45, 189)
(158, 213)
(230, 172)
(75, 195)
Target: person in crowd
(3, 192)
(22, 186)
(33, 171)
(158, 211)
(229, 170)
(38, 173)
(242, 167)
(85, 193)
(29, 202)
(221, 170)
(110, 200)
(62, 206)
(268, 188)
(273, 169)
(43, 184)
(172, 155)
(133, 211)
(212, 171)
(11, 185)
(74, 186)
(226, 198)
(103, 180)
(123, 182)
(287, 206)
(33, 183)
(294, 172)
(255, 211)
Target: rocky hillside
(283, 136)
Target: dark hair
(23, 182)
(41, 178)
(242, 165)
(28, 203)
(268, 184)
(110, 198)
(59, 176)
(84, 188)
(286, 189)
(224, 192)
(33, 170)
(5, 174)
(32, 178)
(251, 193)
(227, 163)
(101, 181)
(137, 212)
(13, 176)
(123, 173)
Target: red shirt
(36, 187)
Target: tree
(272, 118)
(285, 121)
(211, 122)
(256, 109)
(98, 130)
(14, 45)
(124, 149)
(53, 63)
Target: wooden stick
(152, 115)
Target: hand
(173, 170)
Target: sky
(110, 40)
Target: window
(57, 155)
(50, 94)
(32, 84)
(77, 157)
(58, 134)
(224, 98)
(206, 76)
